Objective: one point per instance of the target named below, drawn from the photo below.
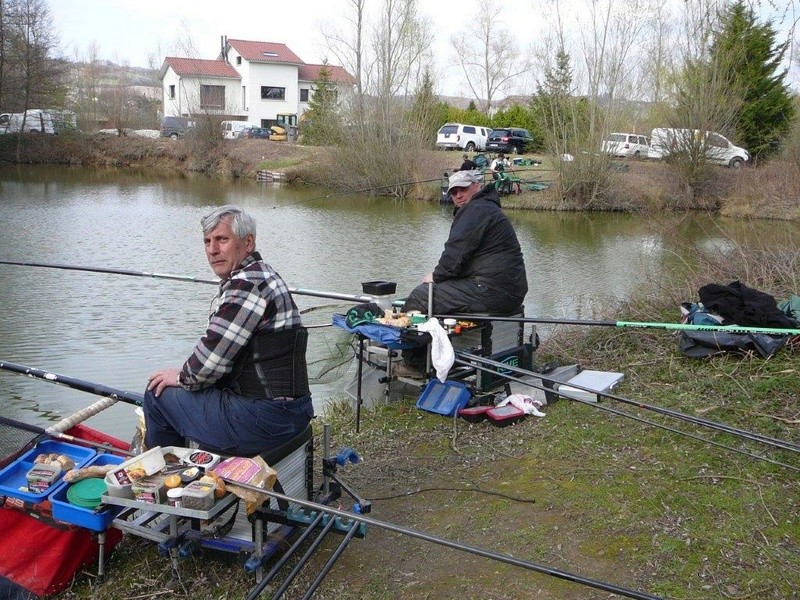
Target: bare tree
(348, 48)
(488, 55)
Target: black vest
(272, 365)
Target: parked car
(510, 139)
(175, 127)
(626, 145)
(260, 133)
(457, 136)
(232, 129)
(715, 147)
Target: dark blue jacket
(483, 245)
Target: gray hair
(241, 223)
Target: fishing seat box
(501, 341)
(503, 416)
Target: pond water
(115, 330)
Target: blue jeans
(221, 421)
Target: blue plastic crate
(96, 520)
(444, 398)
(14, 478)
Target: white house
(264, 83)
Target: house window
(172, 92)
(303, 95)
(212, 96)
(272, 93)
(238, 60)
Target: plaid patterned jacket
(255, 299)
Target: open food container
(96, 518)
(14, 480)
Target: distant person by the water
(468, 164)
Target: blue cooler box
(98, 519)
(14, 478)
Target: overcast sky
(127, 31)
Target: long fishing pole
(748, 435)
(72, 382)
(491, 369)
(505, 558)
(293, 290)
(601, 585)
(629, 324)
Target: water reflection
(116, 330)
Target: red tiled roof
(198, 67)
(337, 74)
(265, 52)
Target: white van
(714, 146)
(232, 129)
(457, 136)
(36, 121)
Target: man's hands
(163, 379)
(427, 278)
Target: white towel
(525, 403)
(442, 355)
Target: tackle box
(14, 478)
(603, 382)
(503, 416)
(444, 398)
(97, 519)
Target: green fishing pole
(629, 324)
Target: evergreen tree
(321, 122)
(427, 113)
(751, 62)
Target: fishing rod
(293, 290)
(629, 324)
(748, 435)
(505, 368)
(76, 384)
(505, 558)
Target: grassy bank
(771, 191)
(628, 499)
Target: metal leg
(428, 362)
(101, 556)
(358, 384)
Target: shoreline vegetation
(771, 191)
(626, 499)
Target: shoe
(402, 369)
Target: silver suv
(626, 145)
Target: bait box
(474, 414)
(198, 495)
(444, 398)
(98, 519)
(14, 477)
(503, 416)
(379, 288)
(150, 489)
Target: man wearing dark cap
(481, 269)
